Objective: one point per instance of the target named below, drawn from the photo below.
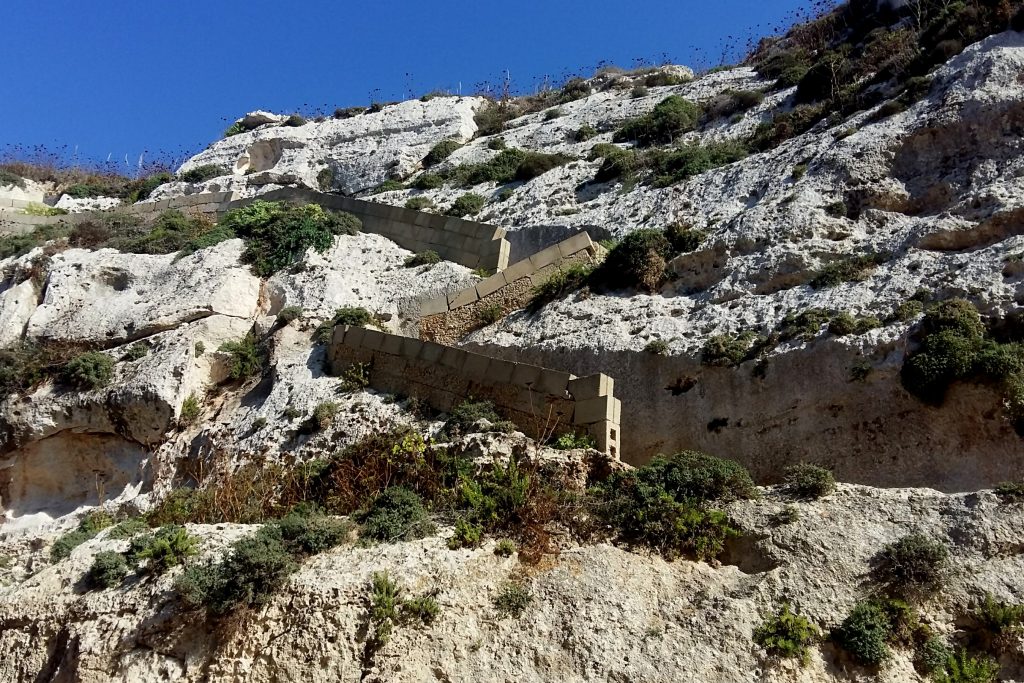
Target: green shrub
(617, 163)
(128, 528)
(324, 413)
(423, 258)
(686, 161)
(396, 515)
(964, 668)
(683, 238)
(247, 357)
(639, 91)
(464, 417)
(89, 371)
(385, 602)
(423, 609)
(512, 600)
(356, 316)
(356, 377)
(325, 179)
(440, 152)
(998, 621)
(135, 352)
(787, 636)
(658, 347)
(167, 548)
(669, 119)
(552, 114)
(199, 349)
(428, 181)
(723, 350)
(256, 568)
(96, 521)
(420, 203)
(584, 133)
(235, 129)
(571, 441)
(467, 535)
(490, 314)
(505, 548)
(108, 570)
(497, 499)
(908, 310)
(309, 532)
(201, 173)
(560, 284)
(497, 144)
(8, 178)
(697, 476)
(35, 209)
(865, 633)
(932, 656)
(389, 185)
(1010, 491)
(508, 166)
(289, 314)
(952, 336)
(913, 562)
(294, 121)
(809, 481)
(278, 234)
(851, 269)
(732, 102)
(467, 205)
(639, 261)
(63, 546)
(190, 410)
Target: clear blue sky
(122, 76)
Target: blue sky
(117, 77)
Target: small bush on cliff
(467, 535)
(669, 119)
(278, 234)
(167, 548)
(951, 338)
(723, 350)
(255, 568)
(865, 633)
(63, 546)
(356, 316)
(108, 570)
(914, 562)
(324, 413)
(428, 181)
(190, 410)
(307, 531)
(389, 609)
(809, 481)
(201, 173)
(638, 261)
(423, 258)
(467, 205)
(560, 284)
(396, 515)
(851, 269)
(964, 668)
(512, 600)
(999, 623)
(420, 203)
(787, 635)
(247, 357)
(289, 314)
(440, 152)
(88, 371)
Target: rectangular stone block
(490, 285)
(525, 375)
(591, 386)
(463, 298)
(421, 219)
(431, 353)
(616, 411)
(453, 358)
(392, 345)
(575, 244)
(553, 382)
(546, 257)
(500, 371)
(354, 337)
(434, 307)
(411, 347)
(594, 410)
(372, 339)
(475, 367)
(339, 334)
(606, 435)
(518, 270)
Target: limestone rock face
(597, 612)
(361, 151)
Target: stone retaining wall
(540, 401)
(448, 319)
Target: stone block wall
(539, 400)
(448, 319)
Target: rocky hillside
(813, 270)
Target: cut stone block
(500, 371)
(546, 257)
(491, 285)
(606, 435)
(453, 358)
(525, 375)
(518, 270)
(392, 345)
(433, 307)
(475, 367)
(411, 347)
(463, 298)
(354, 338)
(592, 386)
(431, 353)
(594, 410)
(338, 337)
(553, 382)
(373, 339)
(576, 243)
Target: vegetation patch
(440, 152)
(508, 166)
(423, 258)
(560, 284)
(468, 204)
(851, 269)
(809, 481)
(89, 371)
(354, 316)
(787, 635)
(913, 563)
(669, 119)
(247, 357)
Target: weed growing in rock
(289, 314)
(490, 314)
(128, 528)
(355, 316)
(638, 261)
(584, 133)
(723, 350)
(108, 570)
(440, 152)
(166, 548)
(560, 284)
(505, 548)
(512, 600)
(420, 203)
(388, 185)
(89, 371)
(1010, 491)
(428, 181)
(423, 258)
(199, 349)
(278, 234)
(809, 481)
(786, 635)
(851, 269)
(355, 377)
(397, 515)
(190, 410)
(998, 623)
(865, 633)
(467, 535)
(669, 119)
(202, 173)
(324, 414)
(247, 357)
(572, 440)
(135, 352)
(964, 668)
(467, 205)
(658, 347)
(389, 609)
(912, 563)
